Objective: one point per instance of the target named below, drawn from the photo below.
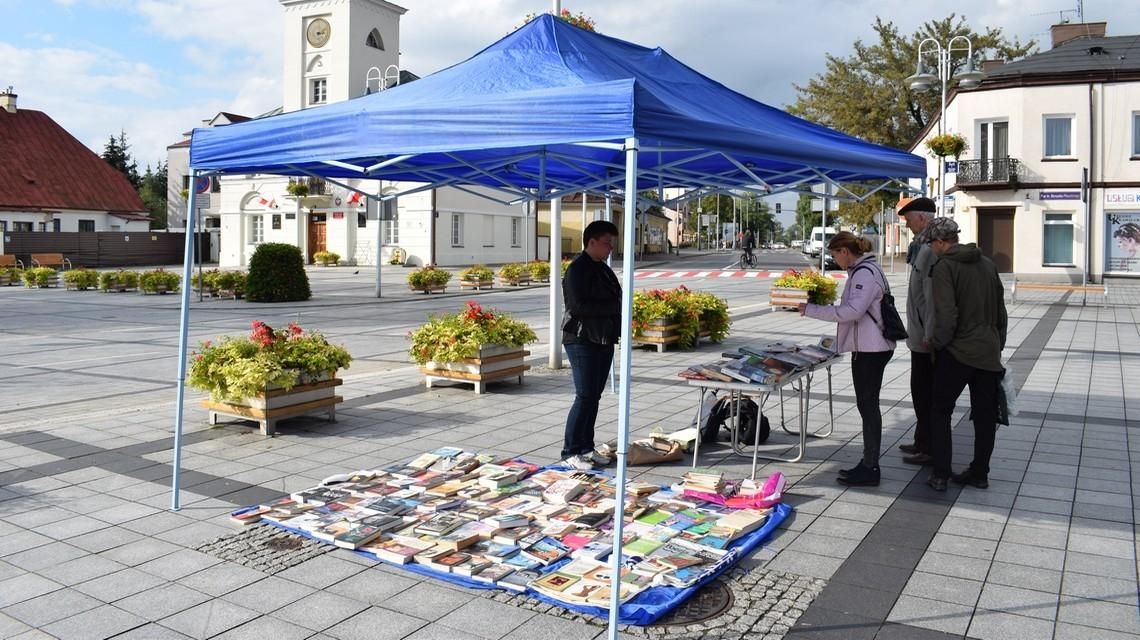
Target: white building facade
(340, 50)
(1034, 127)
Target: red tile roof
(42, 166)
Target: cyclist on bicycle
(749, 244)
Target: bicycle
(747, 259)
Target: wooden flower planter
(117, 287)
(275, 404)
(431, 288)
(663, 332)
(477, 284)
(787, 297)
(493, 362)
(515, 282)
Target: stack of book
(703, 480)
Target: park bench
(51, 260)
(1084, 289)
(9, 260)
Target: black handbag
(890, 322)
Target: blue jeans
(590, 365)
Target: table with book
(759, 371)
(483, 521)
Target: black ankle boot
(861, 476)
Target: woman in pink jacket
(860, 333)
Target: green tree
(580, 20)
(865, 94)
(153, 193)
(117, 153)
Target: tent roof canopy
(548, 108)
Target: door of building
(316, 234)
(995, 236)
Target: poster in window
(1123, 246)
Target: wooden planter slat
(434, 288)
(494, 364)
(787, 297)
(661, 334)
(476, 284)
(272, 405)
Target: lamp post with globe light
(923, 79)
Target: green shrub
(428, 276)
(81, 278)
(120, 279)
(539, 270)
(13, 275)
(39, 277)
(565, 265)
(477, 273)
(297, 189)
(230, 281)
(277, 274)
(209, 277)
(326, 257)
(159, 281)
(513, 271)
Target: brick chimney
(1063, 33)
(8, 100)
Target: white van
(817, 241)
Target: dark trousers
(921, 391)
(590, 366)
(950, 377)
(867, 372)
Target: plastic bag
(1008, 393)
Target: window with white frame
(516, 232)
(1058, 136)
(1058, 239)
(457, 229)
(1136, 134)
(488, 231)
(256, 229)
(391, 231)
(320, 91)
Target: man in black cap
(917, 214)
(967, 340)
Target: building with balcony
(1035, 127)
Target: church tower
(338, 49)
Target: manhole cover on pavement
(708, 602)
(265, 548)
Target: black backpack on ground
(721, 416)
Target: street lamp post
(923, 79)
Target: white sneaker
(599, 457)
(579, 463)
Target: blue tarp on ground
(517, 108)
(644, 608)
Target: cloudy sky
(156, 68)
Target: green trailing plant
(277, 274)
(207, 280)
(513, 272)
(539, 270)
(121, 279)
(477, 273)
(39, 277)
(11, 275)
(821, 289)
(690, 310)
(326, 257)
(159, 281)
(947, 144)
(235, 368)
(82, 279)
(297, 189)
(453, 337)
(428, 277)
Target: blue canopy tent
(548, 110)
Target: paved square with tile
(89, 547)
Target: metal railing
(983, 172)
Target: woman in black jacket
(590, 329)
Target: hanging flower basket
(947, 144)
